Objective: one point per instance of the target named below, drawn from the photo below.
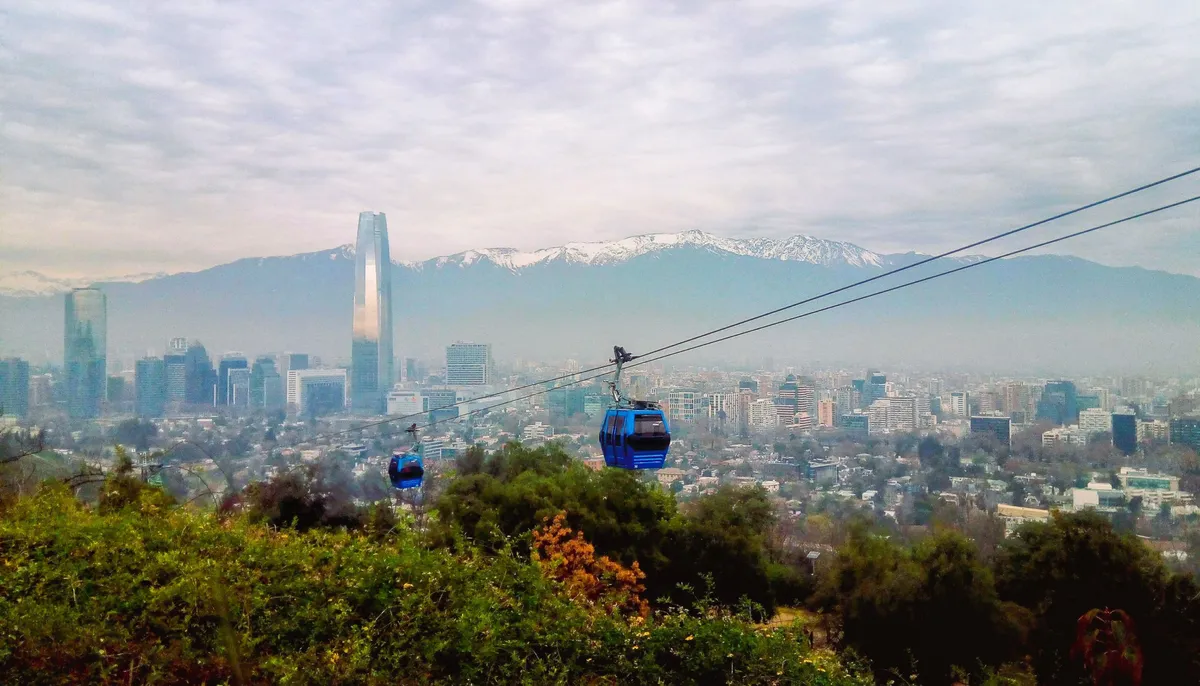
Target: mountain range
(1045, 312)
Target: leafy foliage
(147, 594)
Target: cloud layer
(166, 136)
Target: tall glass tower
(85, 335)
(371, 354)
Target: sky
(141, 136)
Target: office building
(1059, 403)
(1155, 431)
(229, 361)
(371, 353)
(565, 403)
(848, 398)
(1125, 432)
(1186, 431)
(856, 423)
(874, 388)
(469, 364)
(998, 427)
(85, 351)
(1094, 420)
(404, 403)
(150, 384)
(14, 387)
(177, 346)
(175, 369)
(960, 404)
(1064, 435)
(200, 377)
(290, 361)
(317, 392)
(239, 387)
(266, 384)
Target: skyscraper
(1059, 403)
(266, 384)
(199, 376)
(229, 362)
(150, 384)
(85, 336)
(371, 352)
(175, 366)
(14, 387)
(468, 364)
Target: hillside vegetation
(526, 567)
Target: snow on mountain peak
(796, 248)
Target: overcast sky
(143, 136)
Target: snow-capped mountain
(30, 283)
(795, 249)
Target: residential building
(725, 409)
(960, 404)
(1156, 431)
(1064, 435)
(371, 352)
(1017, 399)
(826, 411)
(537, 432)
(902, 413)
(85, 348)
(150, 383)
(14, 387)
(1014, 516)
(684, 403)
(1094, 420)
(469, 364)
(878, 413)
(761, 413)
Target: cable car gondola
(634, 434)
(406, 469)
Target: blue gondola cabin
(406, 470)
(635, 438)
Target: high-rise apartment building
(902, 413)
(468, 364)
(150, 386)
(14, 387)
(1094, 420)
(371, 354)
(683, 404)
(960, 403)
(85, 350)
(826, 411)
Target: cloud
(166, 136)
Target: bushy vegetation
(525, 566)
(142, 591)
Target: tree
(1074, 563)
(878, 592)
(136, 432)
(1106, 642)
(567, 558)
